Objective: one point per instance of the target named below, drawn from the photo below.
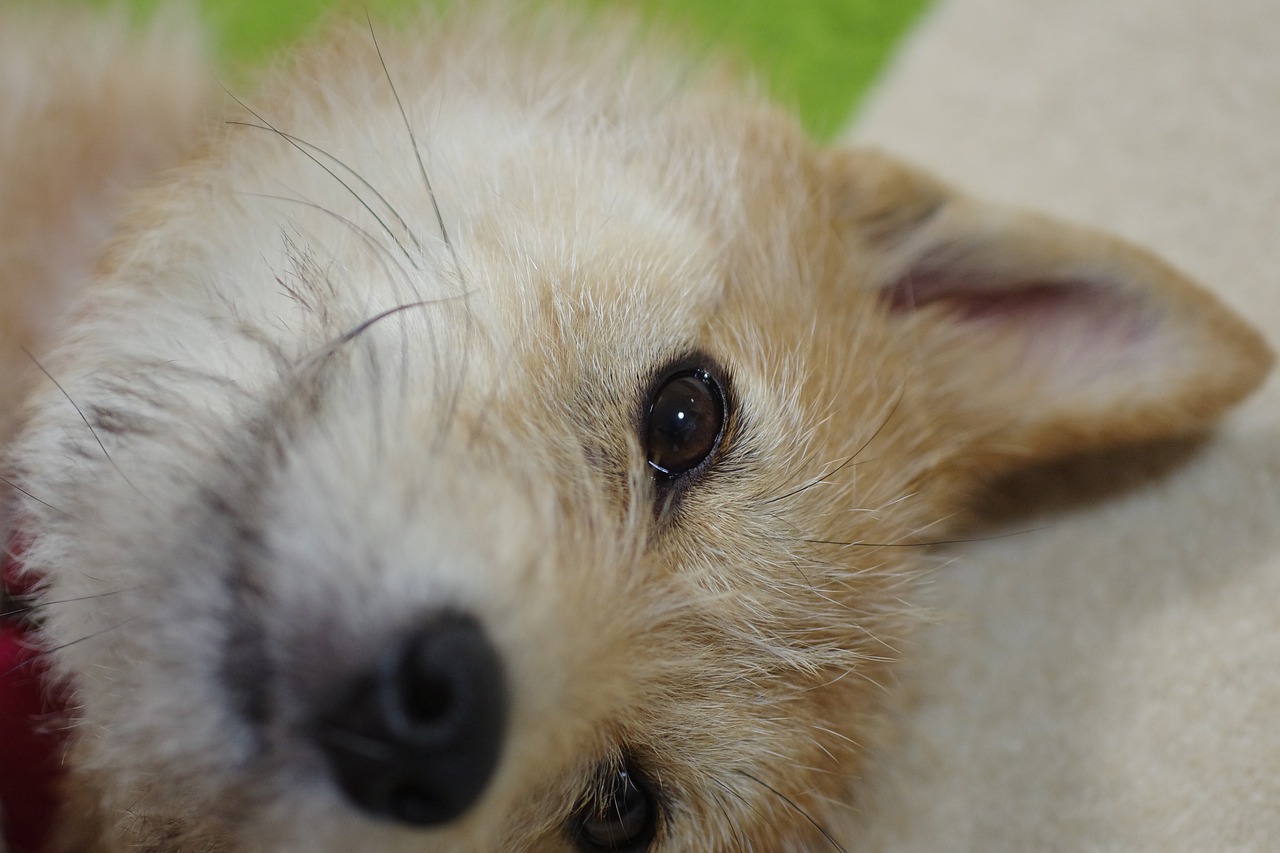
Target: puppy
(504, 434)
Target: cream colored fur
(384, 348)
(1111, 679)
(89, 107)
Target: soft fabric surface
(1111, 679)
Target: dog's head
(496, 442)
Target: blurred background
(815, 56)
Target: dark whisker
(47, 652)
(80, 412)
(359, 330)
(460, 381)
(932, 543)
(417, 152)
(341, 164)
(346, 186)
(23, 609)
(847, 462)
(733, 792)
(385, 254)
(23, 491)
(825, 834)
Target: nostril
(429, 697)
(435, 677)
(416, 739)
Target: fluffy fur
(88, 109)
(382, 348)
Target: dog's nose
(416, 739)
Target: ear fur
(1040, 337)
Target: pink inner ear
(1070, 331)
(1029, 302)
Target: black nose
(416, 740)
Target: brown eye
(685, 422)
(623, 818)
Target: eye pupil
(622, 819)
(686, 420)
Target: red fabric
(30, 737)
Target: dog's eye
(685, 422)
(623, 818)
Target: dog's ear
(1038, 337)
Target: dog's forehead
(542, 244)
(584, 256)
(587, 219)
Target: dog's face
(503, 449)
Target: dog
(503, 433)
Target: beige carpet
(1110, 680)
